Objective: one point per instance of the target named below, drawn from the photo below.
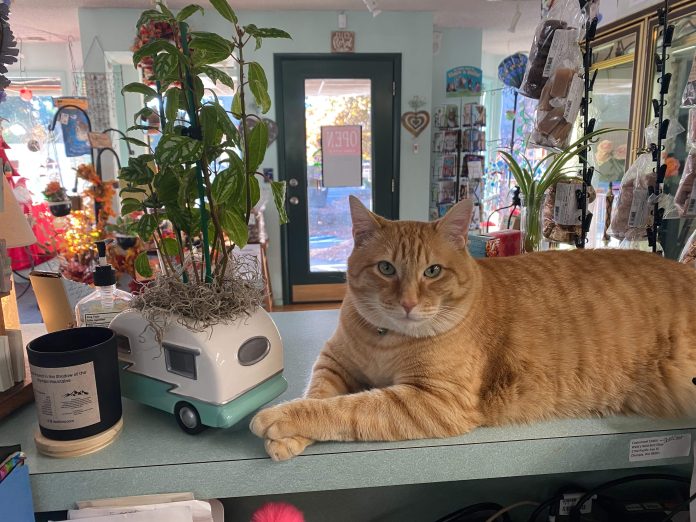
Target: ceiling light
(372, 7)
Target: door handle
(293, 182)
(294, 200)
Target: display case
(625, 58)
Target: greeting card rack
(458, 145)
(662, 125)
(588, 123)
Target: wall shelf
(152, 455)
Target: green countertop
(152, 455)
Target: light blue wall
(399, 32)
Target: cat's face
(410, 277)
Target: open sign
(341, 147)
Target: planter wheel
(188, 419)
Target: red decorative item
(278, 512)
(147, 33)
(26, 94)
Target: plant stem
(193, 117)
(247, 185)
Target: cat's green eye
(432, 271)
(386, 268)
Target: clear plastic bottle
(106, 302)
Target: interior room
(348, 260)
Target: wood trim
(318, 293)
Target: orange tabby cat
(432, 343)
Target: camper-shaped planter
(213, 378)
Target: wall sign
(464, 81)
(341, 151)
(342, 41)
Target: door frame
(278, 60)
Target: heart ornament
(415, 122)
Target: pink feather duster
(278, 512)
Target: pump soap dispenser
(101, 306)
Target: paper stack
(178, 507)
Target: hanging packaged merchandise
(685, 198)
(561, 214)
(688, 254)
(691, 129)
(553, 36)
(674, 129)
(689, 96)
(559, 106)
(629, 217)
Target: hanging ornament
(26, 94)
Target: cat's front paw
(275, 423)
(286, 448)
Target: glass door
(338, 121)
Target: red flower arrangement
(153, 30)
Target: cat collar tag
(382, 331)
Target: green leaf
(146, 226)
(143, 115)
(166, 67)
(142, 265)
(129, 205)
(171, 108)
(150, 15)
(261, 95)
(137, 172)
(144, 128)
(179, 217)
(235, 226)
(132, 190)
(266, 32)
(237, 106)
(163, 7)
(175, 150)
(140, 88)
(208, 119)
(167, 185)
(258, 142)
(188, 11)
(198, 88)
(152, 48)
(222, 7)
(169, 246)
(226, 124)
(135, 141)
(216, 75)
(258, 83)
(278, 188)
(228, 187)
(258, 40)
(254, 190)
(213, 46)
(188, 188)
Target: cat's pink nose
(408, 306)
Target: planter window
(253, 351)
(123, 344)
(180, 360)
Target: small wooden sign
(98, 140)
(342, 41)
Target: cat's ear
(365, 223)
(455, 224)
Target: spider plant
(554, 167)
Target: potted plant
(124, 231)
(57, 199)
(535, 180)
(222, 351)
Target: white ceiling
(55, 20)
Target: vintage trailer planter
(213, 378)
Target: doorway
(355, 96)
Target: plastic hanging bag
(552, 36)
(629, 217)
(689, 95)
(691, 129)
(685, 198)
(561, 215)
(688, 254)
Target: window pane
(334, 102)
